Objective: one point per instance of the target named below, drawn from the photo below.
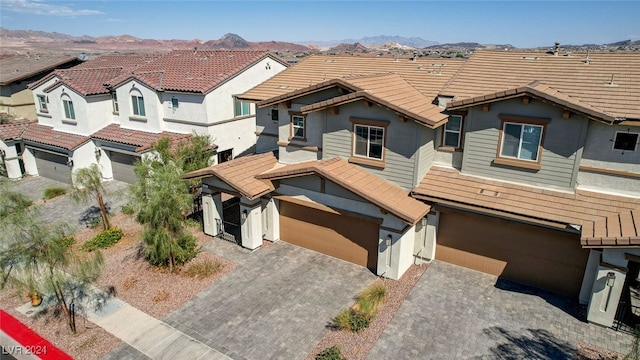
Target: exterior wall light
(244, 214)
(2, 153)
(98, 153)
(389, 238)
(70, 162)
(611, 278)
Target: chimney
(556, 49)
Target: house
(19, 70)
(524, 165)
(111, 110)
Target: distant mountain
(414, 42)
(355, 47)
(472, 45)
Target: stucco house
(525, 165)
(110, 110)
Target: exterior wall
(251, 225)
(400, 145)
(426, 153)
(268, 141)
(83, 157)
(448, 158)
(190, 110)
(238, 135)
(17, 100)
(562, 144)
(152, 107)
(29, 159)
(11, 162)
(599, 153)
(53, 105)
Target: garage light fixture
(244, 214)
(98, 153)
(70, 162)
(2, 153)
(389, 238)
(611, 278)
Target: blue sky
(520, 23)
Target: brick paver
(454, 312)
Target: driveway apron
(454, 312)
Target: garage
(52, 166)
(545, 258)
(122, 166)
(347, 236)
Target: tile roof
(142, 140)
(427, 75)
(621, 229)
(46, 135)
(193, 71)
(240, 173)
(539, 90)
(606, 81)
(362, 183)
(389, 90)
(13, 130)
(19, 67)
(580, 208)
(85, 81)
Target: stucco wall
(151, 122)
(11, 162)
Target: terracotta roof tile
(85, 81)
(600, 215)
(20, 67)
(13, 130)
(362, 183)
(426, 75)
(142, 140)
(46, 135)
(609, 82)
(240, 173)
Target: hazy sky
(520, 23)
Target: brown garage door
(339, 235)
(545, 258)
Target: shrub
(343, 320)
(160, 296)
(351, 320)
(203, 269)
(370, 299)
(54, 191)
(332, 353)
(127, 209)
(103, 240)
(358, 321)
(95, 223)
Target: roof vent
(611, 83)
(556, 49)
(329, 60)
(587, 60)
(488, 193)
(282, 87)
(529, 58)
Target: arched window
(67, 105)
(137, 103)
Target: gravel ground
(154, 291)
(356, 346)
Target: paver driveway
(457, 313)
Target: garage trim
(325, 208)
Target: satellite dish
(83, 57)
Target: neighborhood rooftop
(15, 68)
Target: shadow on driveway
(529, 344)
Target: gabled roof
(362, 183)
(240, 173)
(193, 71)
(388, 90)
(83, 81)
(13, 130)
(608, 81)
(582, 208)
(42, 134)
(539, 90)
(15, 68)
(426, 75)
(142, 140)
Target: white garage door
(53, 166)
(122, 166)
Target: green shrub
(332, 353)
(343, 320)
(203, 269)
(351, 320)
(127, 209)
(103, 240)
(192, 223)
(370, 299)
(54, 191)
(95, 222)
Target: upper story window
(625, 141)
(297, 127)
(174, 103)
(114, 102)
(368, 142)
(452, 133)
(241, 108)
(67, 104)
(521, 141)
(137, 103)
(42, 104)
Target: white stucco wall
(29, 161)
(83, 157)
(11, 162)
(151, 122)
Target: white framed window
(137, 103)
(625, 141)
(114, 102)
(521, 141)
(69, 112)
(297, 127)
(241, 108)
(452, 132)
(368, 141)
(42, 104)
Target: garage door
(345, 237)
(122, 166)
(53, 166)
(545, 258)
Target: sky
(519, 23)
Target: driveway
(454, 312)
(63, 209)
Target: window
(137, 102)
(369, 141)
(114, 102)
(240, 108)
(452, 131)
(274, 114)
(174, 103)
(625, 141)
(521, 141)
(42, 104)
(297, 127)
(69, 113)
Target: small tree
(88, 184)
